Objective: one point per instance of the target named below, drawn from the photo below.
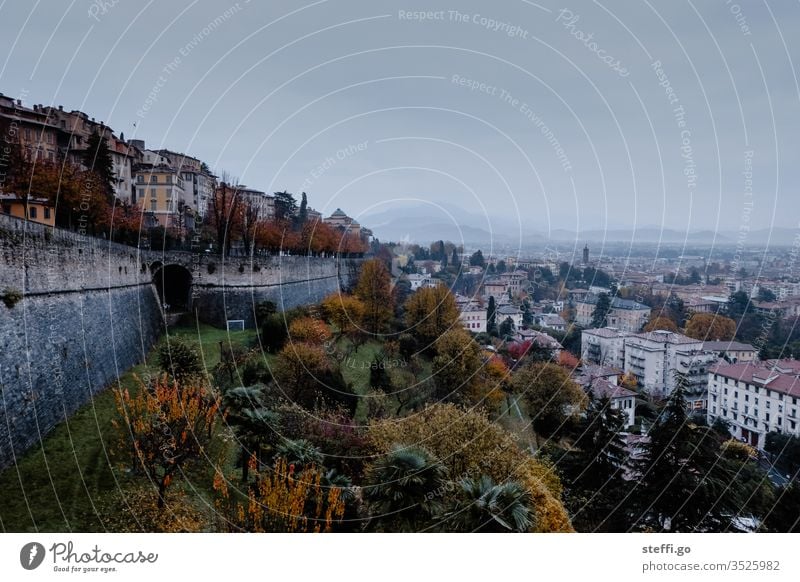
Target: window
(152, 192)
(32, 212)
(154, 179)
(47, 213)
(766, 417)
(153, 205)
(6, 209)
(140, 179)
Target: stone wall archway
(174, 286)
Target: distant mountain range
(424, 224)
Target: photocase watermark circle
(31, 555)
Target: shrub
(179, 357)
(211, 268)
(11, 297)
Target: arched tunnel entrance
(174, 286)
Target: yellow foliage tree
(309, 330)
(374, 288)
(282, 501)
(470, 445)
(711, 327)
(455, 367)
(345, 312)
(430, 312)
(489, 390)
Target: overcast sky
(361, 103)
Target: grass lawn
(63, 483)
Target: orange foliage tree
(309, 330)
(167, 426)
(661, 323)
(282, 501)
(711, 327)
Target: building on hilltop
(756, 398)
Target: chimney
(61, 108)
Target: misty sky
(361, 104)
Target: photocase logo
(32, 555)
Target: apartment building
(756, 398)
(160, 193)
(32, 128)
(624, 314)
(604, 346)
(659, 360)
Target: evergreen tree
(454, 260)
(601, 309)
(491, 317)
(285, 206)
(477, 260)
(506, 328)
(683, 486)
(595, 469)
(97, 158)
(302, 213)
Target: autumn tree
(344, 312)
(225, 214)
(661, 323)
(430, 312)
(298, 370)
(374, 290)
(711, 327)
(551, 396)
(309, 330)
(489, 390)
(470, 445)
(456, 364)
(282, 501)
(167, 425)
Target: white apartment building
(604, 346)
(660, 359)
(756, 398)
(473, 317)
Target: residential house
(39, 209)
(733, 352)
(473, 317)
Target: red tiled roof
(767, 374)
